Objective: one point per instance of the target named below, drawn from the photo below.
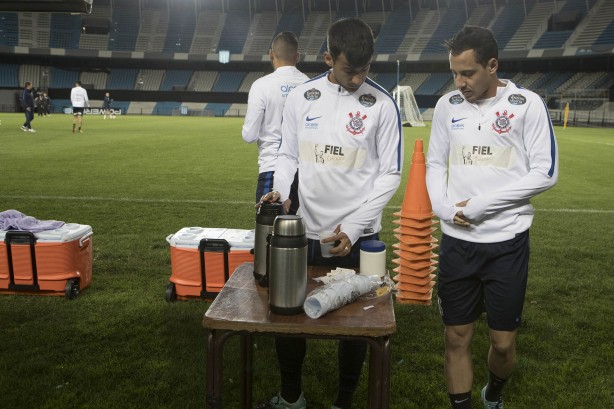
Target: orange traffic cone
(416, 202)
(416, 264)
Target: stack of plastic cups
(416, 262)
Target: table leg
(386, 369)
(215, 367)
(379, 373)
(246, 370)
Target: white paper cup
(326, 247)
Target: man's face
(350, 78)
(473, 80)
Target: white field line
(235, 202)
(583, 141)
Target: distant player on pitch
(79, 100)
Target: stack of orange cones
(416, 260)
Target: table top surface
(243, 305)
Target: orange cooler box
(202, 260)
(51, 262)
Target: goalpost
(404, 96)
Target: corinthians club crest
(356, 124)
(502, 123)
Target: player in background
(107, 107)
(79, 100)
(265, 105)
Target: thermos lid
(267, 208)
(288, 225)
(373, 246)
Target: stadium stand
(152, 31)
(60, 78)
(9, 75)
(433, 83)
(176, 80)
(234, 34)
(291, 21)
(596, 22)
(508, 21)
(149, 80)
(124, 28)
(203, 81)
(180, 30)
(66, 30)
(97, 80)
(313, 36)
(533, 26)
(34, 29)
(228, 81)
(165, 47)
(455, 17)
(261, 33)
(419, 32)
(208, 31)
(9, 29)
(121, 78)
(392, 34)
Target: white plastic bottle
(373, 258)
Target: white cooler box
(203, 258)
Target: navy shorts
(78, 110)
(477, 277)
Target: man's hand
(344, 245)
(459, 217)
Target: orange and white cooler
(51, 262)
(202, 260)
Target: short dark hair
(479, 39)
(352, 37)
(78, 83)
(285, 45)
(27, 84)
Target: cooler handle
(21, 237)
(217, 246)
(85, 237)
(168, 238)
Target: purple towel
(14, 220)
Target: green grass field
(136, 180)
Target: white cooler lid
(68, 232)
(191, 237)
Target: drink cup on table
(326, 247)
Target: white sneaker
(23, 128)
(31, 130)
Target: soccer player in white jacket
(492, 148)
(265, 104)
(343, 133)
(79, 100)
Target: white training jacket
(348, 148)
(78, 97)
(498, 153)
(265, 105)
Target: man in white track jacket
(343, 132)
(492, 148)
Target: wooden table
(241, 308)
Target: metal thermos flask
(287, 267)
(267, 212)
